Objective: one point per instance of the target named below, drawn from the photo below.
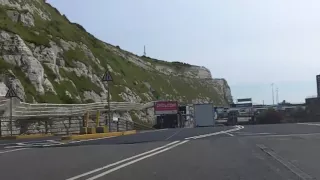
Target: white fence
(58, 110)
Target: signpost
(108, 78)
(10, 94)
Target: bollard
(84, 129)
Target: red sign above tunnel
(165, 107)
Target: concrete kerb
(97, 135)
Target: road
(252, 152)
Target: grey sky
(251, 43)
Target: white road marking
(253, 134)
(285, 135)
(147, 131)
(85, 140)
(122, 161)
(21, 144)
(12, 147)
(26, 142)
(54, 141)
(311, 124)
(47, 143)
(174, 134)
(2, 152)
(250, 133)
(229, 134)
(216, 133)
(134, 161)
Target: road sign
(166, 107)
(107, 77)
(11, 93)
(244, 100)
(242, 105)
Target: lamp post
(272, 84)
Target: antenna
(144, 51)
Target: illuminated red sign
(166, 107)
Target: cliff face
(49, 59)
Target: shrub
(270, 116)
(89, 101)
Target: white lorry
(204, 115)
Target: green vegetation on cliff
(128, 74)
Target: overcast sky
(250, 43)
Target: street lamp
(272, 93)
(277, 95)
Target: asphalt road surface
(253, 152)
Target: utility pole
(144, 51)
(272, 93)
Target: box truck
(204, 115)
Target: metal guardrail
(123, 124)
(45, 118)
(58, 110)
(63, 125)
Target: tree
(299, 114)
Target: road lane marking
(297, 171)
(240, 133)
(7, 144)
(311, 124)
(122, 161)
(85, 140)
(54, 141)
(134, 161)
(252, 134)
(147, 131)
(2, 152)
(229, 134)
(285, 135)
(237, 128)
(21, 144)
(174, 134)
(47, 143)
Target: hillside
(47, 58)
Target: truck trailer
(204, 115)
